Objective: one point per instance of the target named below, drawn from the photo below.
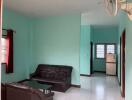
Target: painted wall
(85, 50)
(15, 21)
(103, 34)
(128, 60)
(56, 40)
(125, 23)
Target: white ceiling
(90, 9)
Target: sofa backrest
(56, 72)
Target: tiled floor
(97, 87)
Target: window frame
(3, 36)
(96, 50)
(105, 49)
(111, 44)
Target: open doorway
(91, 58)
(105, 56)
(122, 58)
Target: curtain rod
(9, 29)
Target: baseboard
(100, 71)
(85, 75)
(77, 86)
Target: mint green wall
(128, 60)
(103, 34)
(85, 50)
(56, 40)
(52, 40)
(12, 20)
(125, 23)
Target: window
(4, 50)
(111, 48)
(100, 51)
(7, 50)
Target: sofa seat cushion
(48, 80)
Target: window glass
(3, 43)
(100, 51)
(111, 49)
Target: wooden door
(120, 59)
(91, 57)
(123, 39)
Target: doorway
(91, 57)
(120, 62)
(122, 55)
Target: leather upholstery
(3, 91)
(57, 75)
(15, 91)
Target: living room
(43, 36)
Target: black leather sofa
(59, 76)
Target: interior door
(123, 39)
(120, 60)
(91, 57)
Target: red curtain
(9, 57)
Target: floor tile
(96, 87)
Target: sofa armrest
(32, 75)
(3, 91)
(68, 80)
